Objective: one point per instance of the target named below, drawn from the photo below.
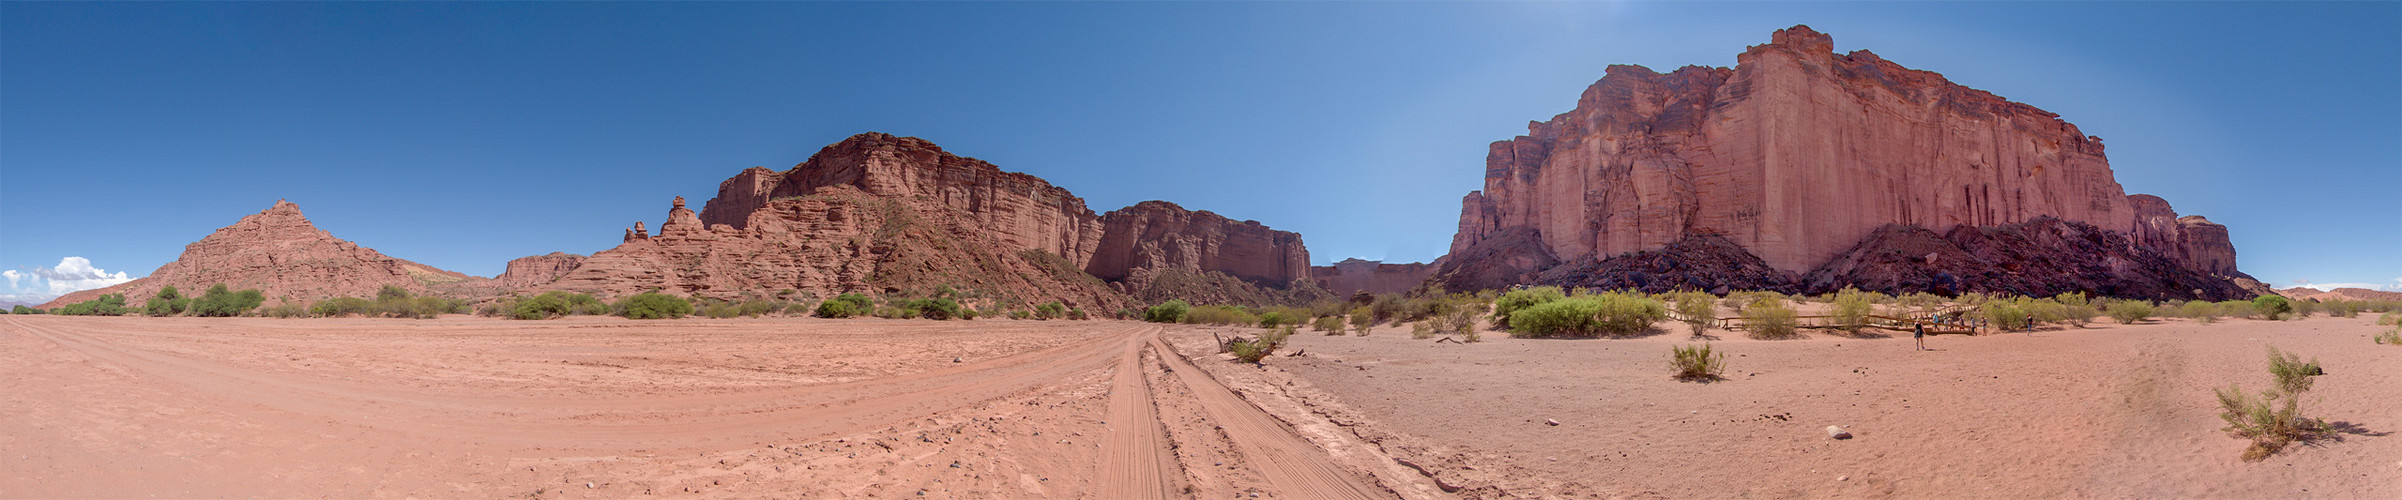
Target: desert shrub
(220, 302)
(1362, 318)
(167, 302)
(1050, 310)
(1850, 310)
(1918, 301)
(2273, 420)
(894, 312)
(106, 305)
(2304, 308)
(2200, 311)
(1422, 330)
(2390, 337)
(2272, 307)
(1697, 362)
(285, 310)
(1172, 311)
(1252, 351)
(2127, 312)
(21, 309)
(2071, 299)
(1220, 315)
(940, 308)
(2391, 318)
(1273, 319)
(846, 305)
(1332, 325)
(1697, 310)
(653, 305)
(1460, 320)
(2346, 308)
(341, 306)
(1769, 319)
(2045, 311)
(1609, 313)
(1511, 302)
(545, 306)
(2004, 315)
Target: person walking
(1918, 333)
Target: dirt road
(590, 407)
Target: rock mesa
(1795, 155)
(284, 256)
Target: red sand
(600, 407)
(2109, 411)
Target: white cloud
(2395, 286)
(73, 274)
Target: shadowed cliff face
(879, 213)
(1796, 155)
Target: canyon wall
(1795, 155)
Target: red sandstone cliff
(880, 213)
(280, 253)
(1355, 275)
(1795, 155)
(538, 270)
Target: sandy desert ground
(2112, 411)
(609, 408)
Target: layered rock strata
(1356, 275)
(280, 253)
(538, 270)
(1794, 155)
(881, 213)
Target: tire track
(1296, 467)
(1135, 460)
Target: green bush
(341, 306)
(1172, 311)
(2005, 315)
(1770, 319)
(168, 302)
(1272, 319)
(1697, 310)
(545, 306)
(2273, 420)
(21, 309)
(1362, 318)
(1050, 310)
(1511, 302)
(1332, 325)
(2200, 311)
(846, 305)
(1220, 315)
(2127, 312)
(1698, 363)
(221, 303)
(653, 305)
(2303, 308)
(2391, 318)
(1422, 330)
(1610, 313)
(2272, 307)
(106, 305)
(1850, 311)
(2390, 337)
(936, 308)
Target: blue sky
(462, 135)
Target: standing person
(1918, 333)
